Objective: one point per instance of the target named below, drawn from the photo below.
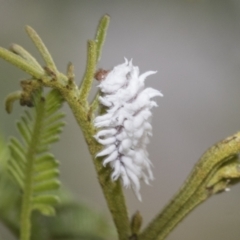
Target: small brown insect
(101, 74)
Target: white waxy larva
(117, 170)
(110, 158)
(103, 118)
(105, 102)
(125, 128)
(106, 151)
(107, 141)
(107, 132)
(125, 145)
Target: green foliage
(9, 193)
(31, 165)
(73, 220)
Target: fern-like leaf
(34, 169)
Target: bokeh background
(194, 45)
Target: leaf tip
(10, 99)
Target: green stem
(101, 35)
(10, 99)
(112, 190)
(90, 71)
(26, 209)
(223, 175)
(41, 48)
(195, 189)
(93, 106)
(25, 55)
(21, 63)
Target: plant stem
(41, 48)
(21, 63)
(112, 190)
(101, 35)
(25, 55)
(196, 189)
(10, 99)
(86, 83)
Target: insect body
(125, 127)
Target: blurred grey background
(194, 45)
